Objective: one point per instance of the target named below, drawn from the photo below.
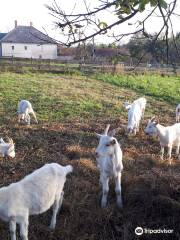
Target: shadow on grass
(150, 189)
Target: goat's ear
(153, 119)
(10, 140)
(106, 129)
(112, 133)
(113, 142)
(1, 140)
(157, 121)
(98, 135)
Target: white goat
(7, 149)
(141, 101)
(178, 113)
(169, 136)
(134, 118)
(109, 160)
(135, 113)
(34, 194)
(24, 109)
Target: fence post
(12, 60)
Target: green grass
(165, 88)
(55, 97)
(66, 97)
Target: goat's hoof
(103, 204)
(120, 205)
(170, 162)
(52, 227)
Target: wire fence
(60, 66)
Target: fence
(59, 66)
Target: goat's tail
(69, 169)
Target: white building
(27, 42)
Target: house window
(12, 47)
(25, 47)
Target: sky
(26, 11)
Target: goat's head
(24, 118)
(105, 148)
(151, 129)
(127, 105)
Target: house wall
(44, 51)
(0, 50)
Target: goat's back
(37, 191)
(170, 134)
(23, 106)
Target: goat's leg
(169, 153)
(118, 190)
(19, 118)
(105, 186)
(137, 127)
(143, 110)
(162, 152)
(34, 115)
(24, 229)
(27, 119)
(12, 227)
(56, 207)
(177, 149)
(177, 117)
(134, 131)
(101, 180)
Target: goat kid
(34, 194)
(7, 148)
(169, 136)
(135, 114)
(109, 160)
(24, 109)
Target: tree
(75, 26)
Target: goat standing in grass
(24, 109)
(109, 160)
(34, 194)
(135, 114)
(168, 136)
(7, 148)
(178, 113)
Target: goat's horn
(153, 118)
(107, 129)
(10, 140)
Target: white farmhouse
(27, 42)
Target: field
(70, 109)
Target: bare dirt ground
(150, 187)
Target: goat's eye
(107, 145)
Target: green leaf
(102, 25)
(163, 4)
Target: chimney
(15, 23)
(31, 24)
